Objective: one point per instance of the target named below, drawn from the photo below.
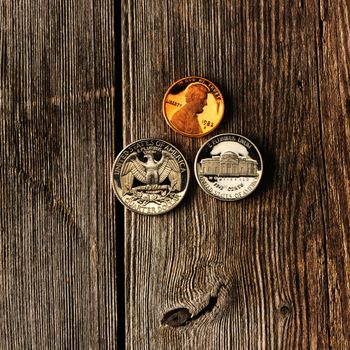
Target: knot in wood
(177, 317)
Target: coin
(193, 106)
(150, 176)
(228, 167)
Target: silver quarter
(150, 176)
(228, 167)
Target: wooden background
(80, 78)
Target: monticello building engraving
(229, 164)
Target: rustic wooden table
(269, 272)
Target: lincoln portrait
(186, 118)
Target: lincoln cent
(193, 106)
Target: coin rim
(214, 196)
(126, 205)
(197, 136)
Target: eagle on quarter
(151, 172)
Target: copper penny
(193, 106)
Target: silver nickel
(229, 167)
(150, 176)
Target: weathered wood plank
(334, 91)
(269, 271)
(57, 242)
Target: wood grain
(58, 218)
(270, 271)
(333, 57)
